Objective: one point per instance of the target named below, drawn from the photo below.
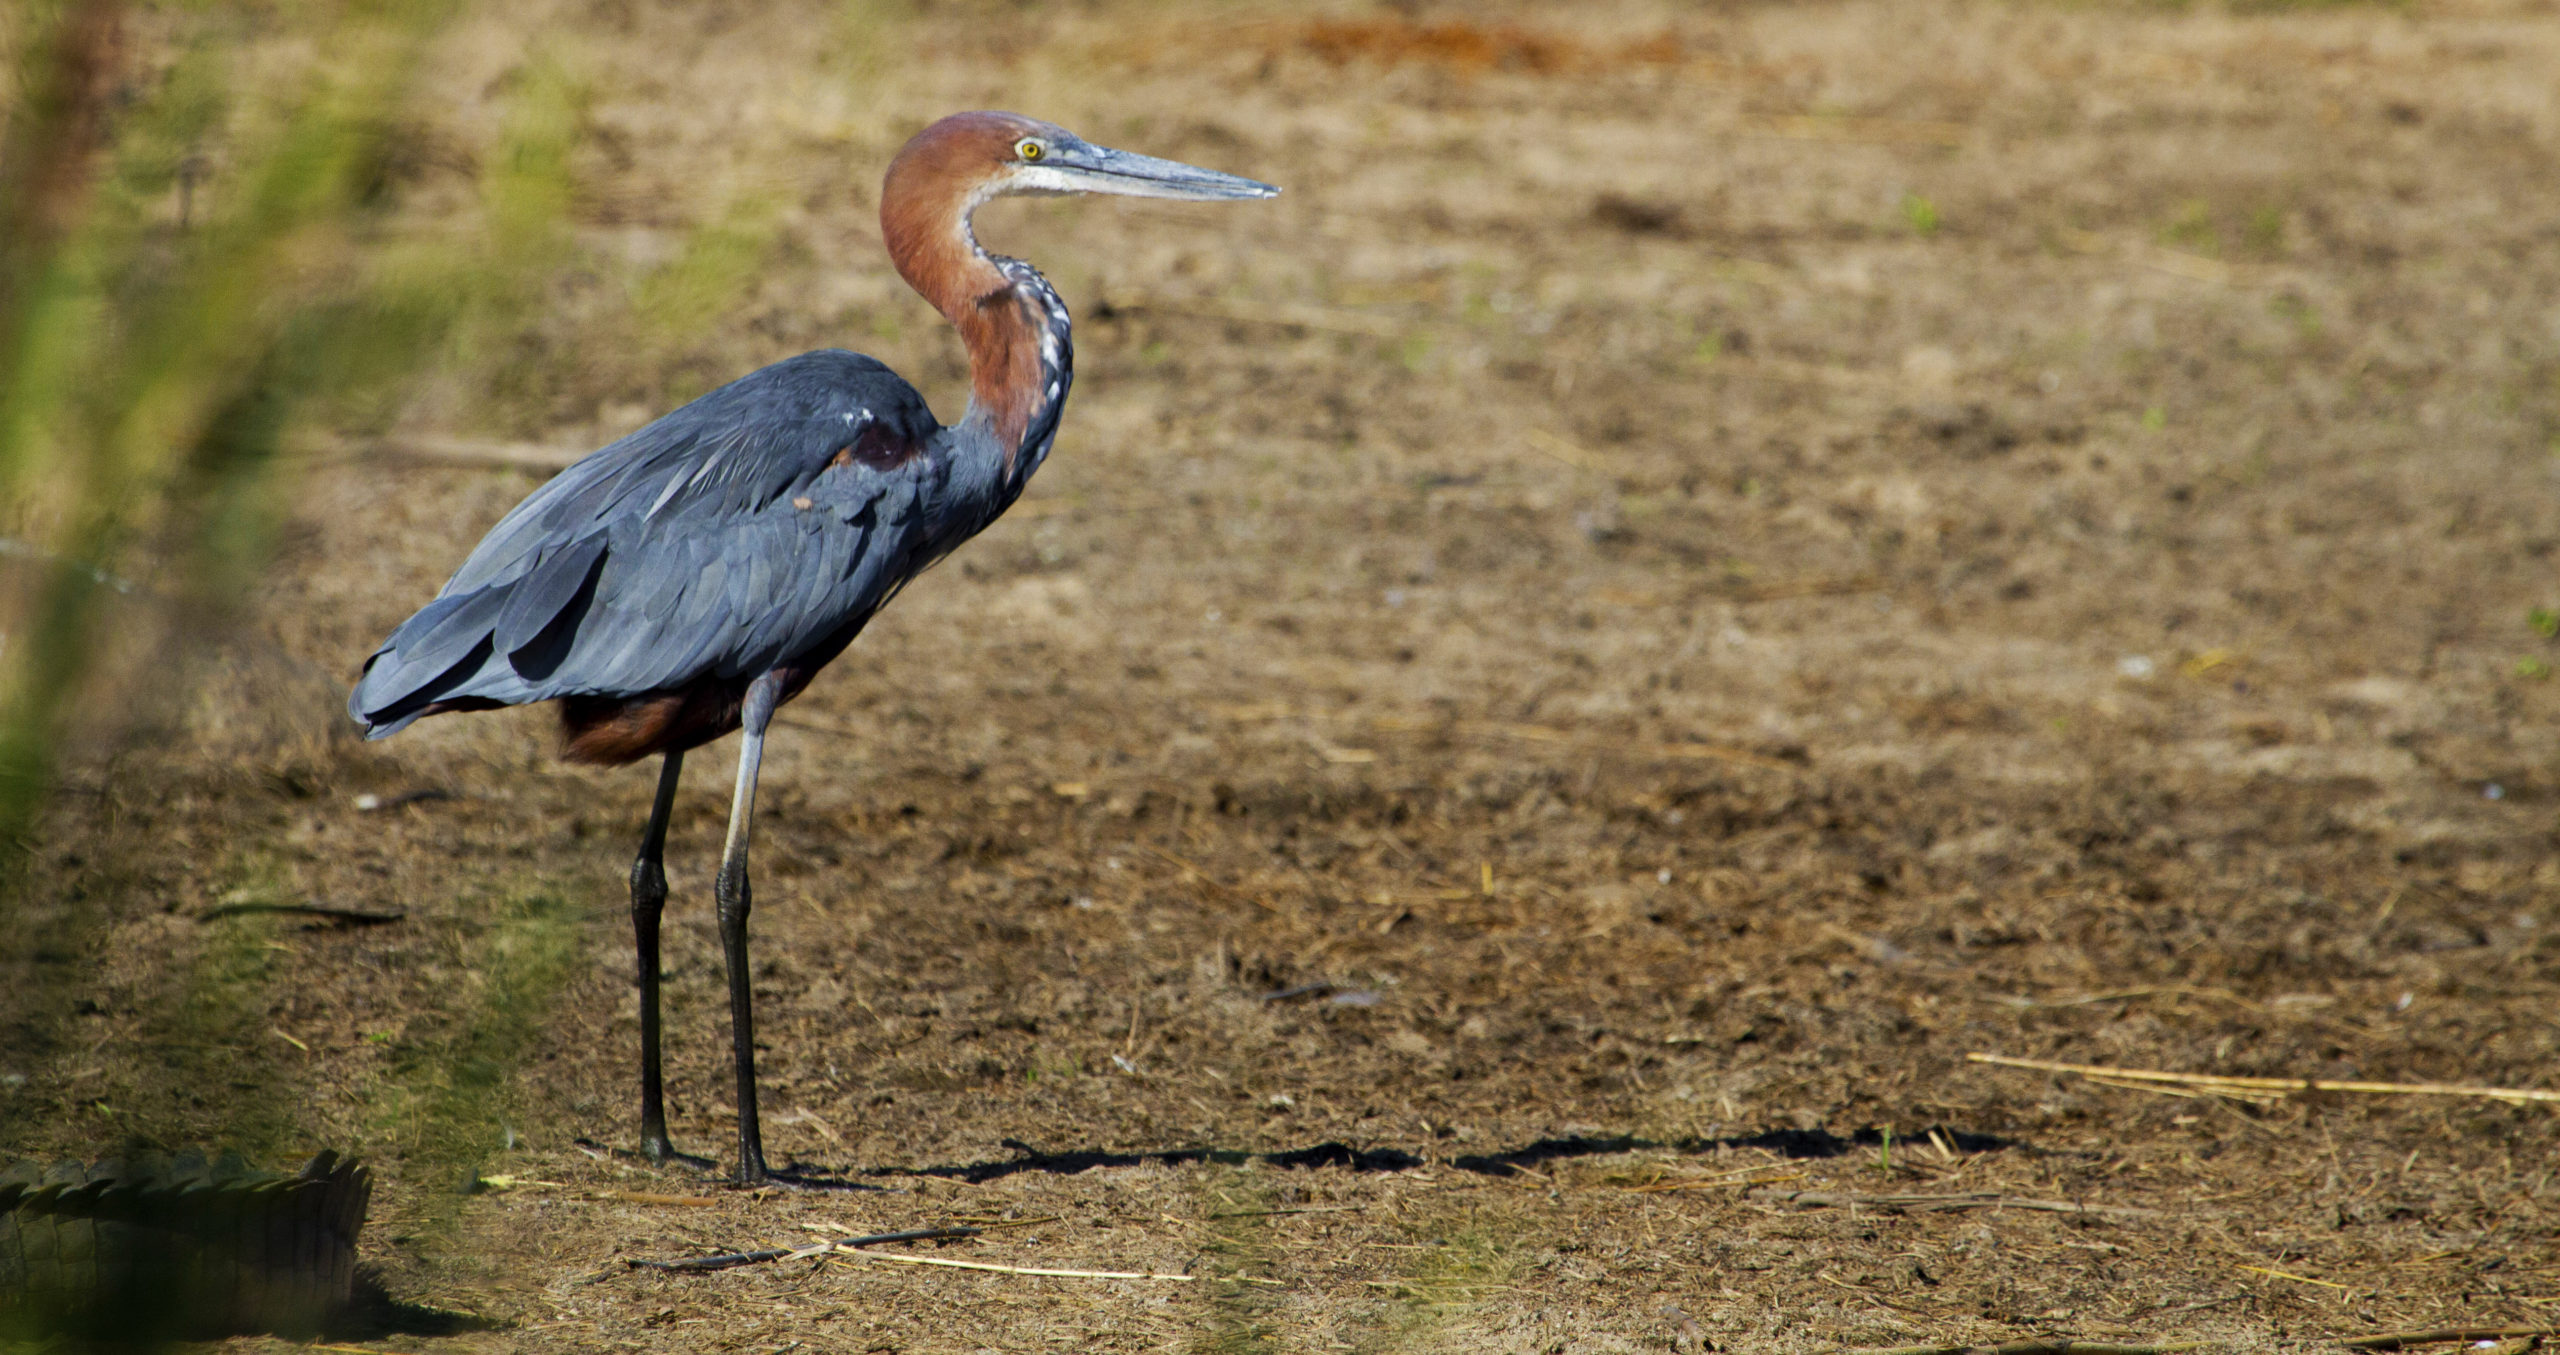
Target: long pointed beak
(1099, 169)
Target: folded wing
(752, 524)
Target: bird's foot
(672, 1158)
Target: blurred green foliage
(454, 1076)
(204, 279)
(234, 241)
(186, 270)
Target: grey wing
(704, 593)
(718, 541)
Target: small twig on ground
(2037, 1348)
(353, 917)
(875, 1239)
(424, 795)
(905, 1260)
(723, 1261)
(730, 1260)
(1973, 1200)
(1302, 1209)
(652, 1197)
(910, 1235)
(2402, 1340)
(2245, 1085)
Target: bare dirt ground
(1701, 565)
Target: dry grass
(2084, 620)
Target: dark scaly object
(688, 579)
(131, 1252)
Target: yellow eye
(1030, 151)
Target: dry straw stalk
(2260, 1086)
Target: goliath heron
(691, 577)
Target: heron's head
(953, 166)
(968, 158)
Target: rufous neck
(925, 223)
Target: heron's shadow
(1792, 1144)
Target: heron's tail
(493, 646)
(439, 660)
(410, 677)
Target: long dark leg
(735, 898)
(648, 900)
